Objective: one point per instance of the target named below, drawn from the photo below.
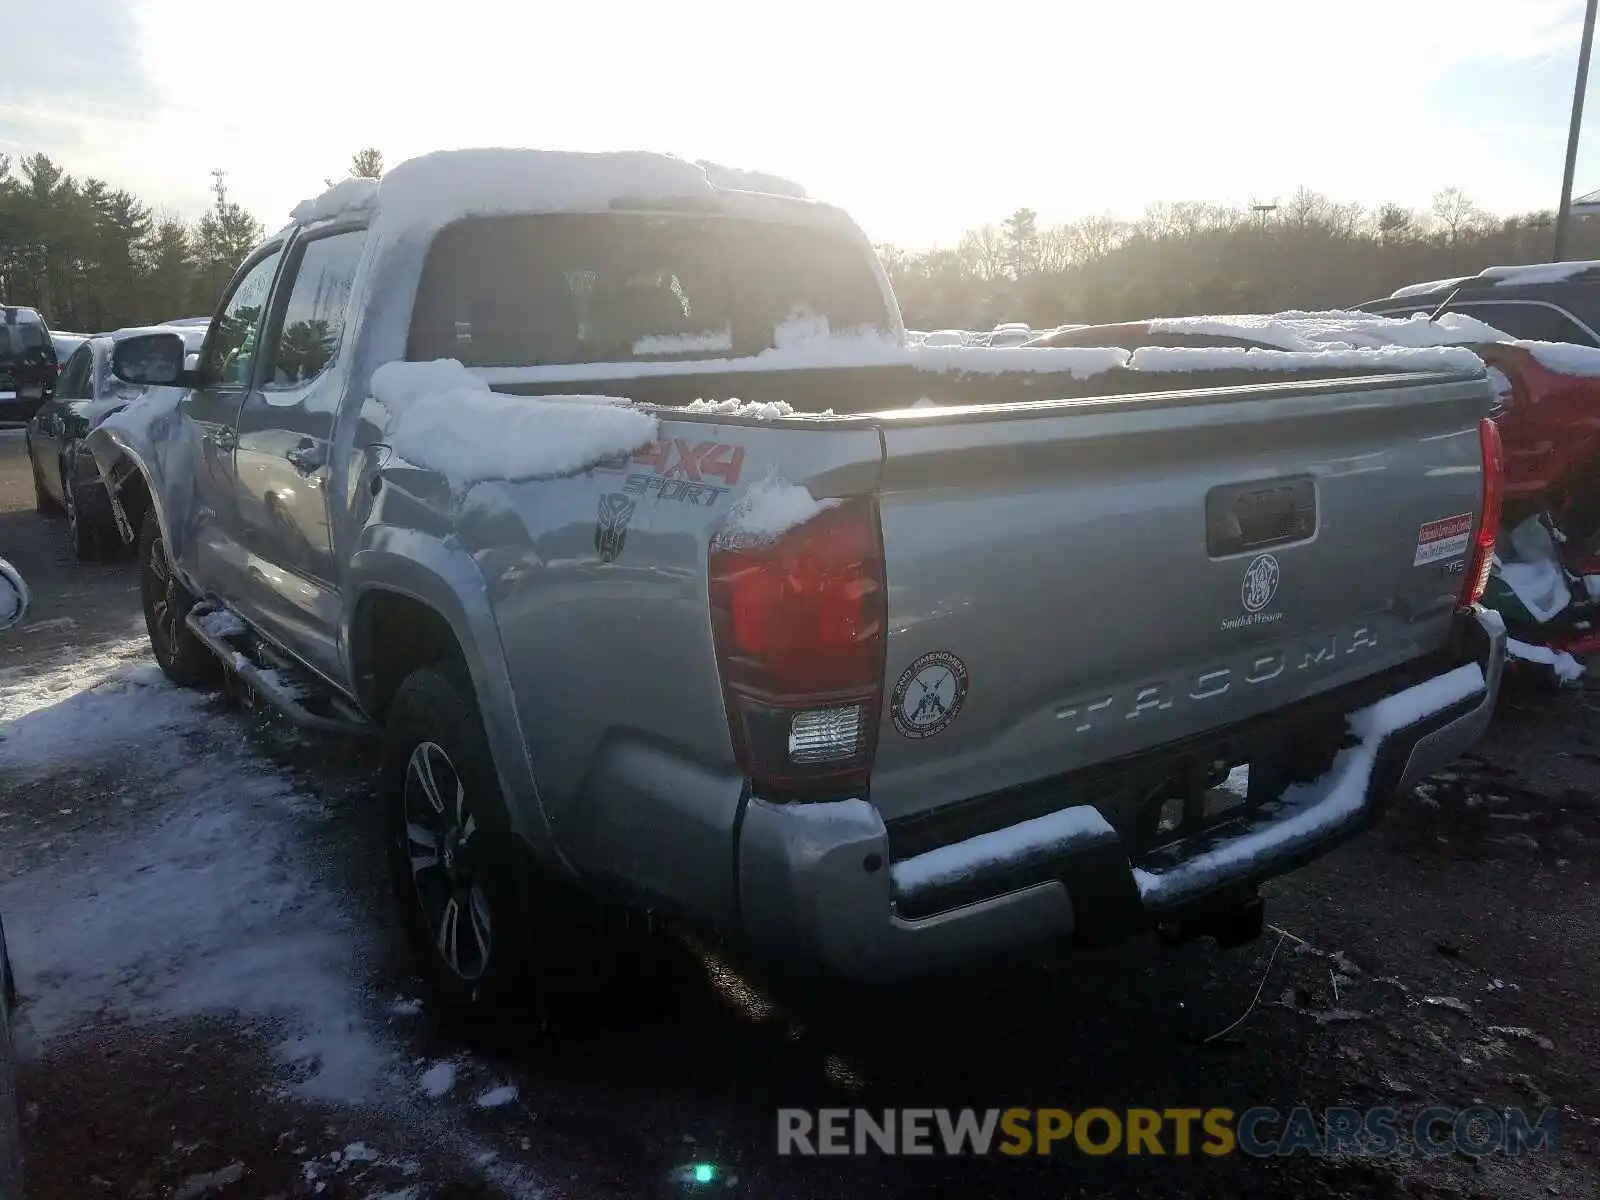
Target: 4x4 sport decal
(681, 471)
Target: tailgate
(1072, 583)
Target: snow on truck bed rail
(769, 508)
(448, 420)
(1339, 358)
(1300, 340)
(758, 410)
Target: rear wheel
(450, 847)
(183, 658)
(492, 931)
(87, 536)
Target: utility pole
(1564, 212)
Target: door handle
(307, 457)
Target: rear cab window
(626, 287)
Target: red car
(1549, 428)
(1550, 424)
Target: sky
(922, 119)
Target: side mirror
(14, 598)
(150, 360)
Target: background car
(1543, 302)
(65, 478)
(27, 362)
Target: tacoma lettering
(1213, 682)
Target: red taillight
(1482, 560)
(798, 624)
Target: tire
(523, 940)
(450, 848)
(43, 501)
(89, 544)
(182, 657)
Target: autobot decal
(928, 695)
(611, 525)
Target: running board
(289, 689)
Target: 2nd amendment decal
(928, 695)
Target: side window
(1535, 322)
(312, 324)
(236, 332)
(76, 374)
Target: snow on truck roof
(435, 189)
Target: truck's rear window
(625, 287)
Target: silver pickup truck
(905, 658)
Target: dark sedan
(65, 478)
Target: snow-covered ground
(209, 896)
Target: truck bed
(1083, 560)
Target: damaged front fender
(142, 462)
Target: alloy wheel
(442, 846)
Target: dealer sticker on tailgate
(1442, 539)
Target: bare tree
(1057, 249)
(1094, 238)
(1456, 213)
(986, 250)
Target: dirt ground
(207, 953)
